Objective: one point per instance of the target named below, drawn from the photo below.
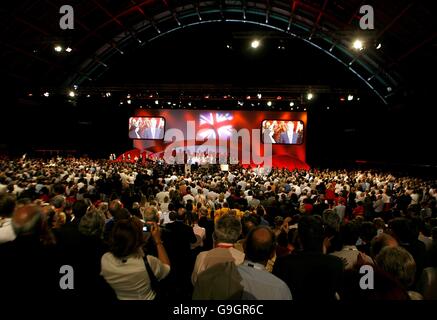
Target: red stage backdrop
(286, 134)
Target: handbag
(154, 282)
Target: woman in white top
(123, 267)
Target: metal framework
(327, 25)
(268, 14)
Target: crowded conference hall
(218, 150)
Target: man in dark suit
(208, 224)
(153, 130)
(309, 273)
(178, 242)
(29, 264)
(153, 133)
(283, 138)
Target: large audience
(155, 231)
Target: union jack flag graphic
(213, 125)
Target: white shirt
(414, 198)
(161, 195)
(188, 197)
(290, 129)
(3, 188)
(130, 279)
(200, 235)
(242, 184)
(349, 254)
(213, 195)
(165, 216)
(6, 231)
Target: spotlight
(88, 96)
(108, 94)
(259, 95)
(278, 98)
(358, 45)
(68, 49)
(46, 94)
(310, 96)
(255, 44)
(189, 104)
(248, 97)
(156, 102)
(169, 103)
(269, 103)
(72, 94)
(350, 97)
(291, 104)
(378, 46)
(58, 48)
(327, 108)
(129, 101)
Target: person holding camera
(126, 268)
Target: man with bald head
(258, 283)
(27, 263)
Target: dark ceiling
(115, 43)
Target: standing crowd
(134, 232)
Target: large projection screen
(200, 131)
